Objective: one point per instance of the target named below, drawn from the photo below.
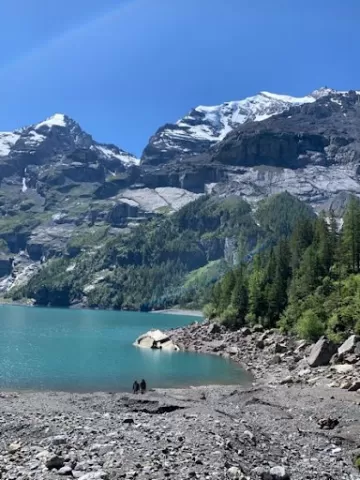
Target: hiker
(136, 387)
(143, 386)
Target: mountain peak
(56, 120)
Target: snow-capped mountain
(57, 135)
(204, 126)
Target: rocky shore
(290, 424)
(274, 358)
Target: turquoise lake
(88, 350)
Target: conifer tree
(350, 238)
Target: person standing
(136, 387)
(142, 386)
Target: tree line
(307, 282)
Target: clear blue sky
(122, 68)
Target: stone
(328, 423)
(321, 352)
(42, 455)
(286, 380)
(257, 328)
(345, 384)
(355, 386)
(232, 350)
(276, 359)
(279, 348)
(301, 346)
(59, 440)
(213, 328)
(235, 473)
(279, 473)
(351, 359)
(264, 336)
(245, 331)
(65, 470)
(14, 447)
(100, 475)
(54, 462)
(343, 368)
(260, 344)
(349, 345)
(128, 421)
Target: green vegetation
(149, 267)
(307, 281)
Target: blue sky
(122, 68)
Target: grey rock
(213, 328)
(235, 473)
(65, 470)
(279, 473)
(287, 380)
(245, 331)
(257, 328)
(54, 462)
(349, 345)
(321, 352)
(280, 348)
(276, 359)
(355, 386)
(59, 440)
(100, 475)
(14, 447)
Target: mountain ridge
(63, 194)
(204, 126)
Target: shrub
(209, 311)
(229, 318)
(309, 326)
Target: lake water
(88, 350)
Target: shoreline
(283, 426)
(180, 311)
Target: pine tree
(350, 238)
(324, 245)
(227, 287)
(256, 290)
(277, 295)
(239, 297)
(301, 239)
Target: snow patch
(57, 120)
(34, 138)
(124, 157)
(7, 141)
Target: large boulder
(321, 352)
(349, 345)
(156, 339)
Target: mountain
(310, 150)
(92, 220)
(204, 126)
(57, 135)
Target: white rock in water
(156, 339)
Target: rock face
(204, 126)
(156, 340)
(321, 352)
